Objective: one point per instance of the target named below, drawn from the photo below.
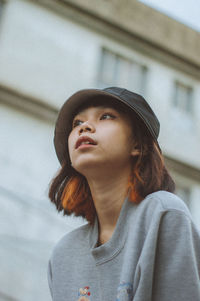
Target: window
(183, 99)
(116, 70)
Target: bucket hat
(132, 100)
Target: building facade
(50, 49)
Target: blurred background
(48, 50)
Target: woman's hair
(70, 192)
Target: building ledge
(183, 168)
(137, 26)
(27, 104)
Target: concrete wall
(29, 224)
(147, 23)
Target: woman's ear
(138, 150)
(135, 152)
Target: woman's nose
(86, 127)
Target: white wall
(41, 52)
(29, 224)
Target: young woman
(140, 243)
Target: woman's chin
(88, 167)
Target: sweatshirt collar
(115, 244)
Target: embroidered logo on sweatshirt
(124, 292)
(84, 294)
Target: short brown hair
(70, 192)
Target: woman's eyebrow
(101, 107)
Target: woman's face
(101, 138)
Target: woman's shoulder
(160, 202)
(166, 201)
(161, 208)
(74, 240)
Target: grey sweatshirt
(153, 255)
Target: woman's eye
(107, 116)
(76, 122)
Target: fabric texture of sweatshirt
(153, 255)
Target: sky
(184, 11)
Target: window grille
(183, 99)
(117, 70)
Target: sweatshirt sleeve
(49, 277)
(177, 259)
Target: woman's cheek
(70, 145)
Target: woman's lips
(85, 141)
(85, 146)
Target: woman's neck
(108, 195)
